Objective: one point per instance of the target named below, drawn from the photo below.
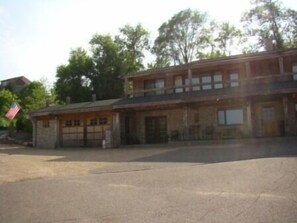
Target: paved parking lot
(228, 181)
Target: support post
(190, 79)
(186, 122)
(34, 135)
(249, 119)
(281, 64)
(57, 132)
(286, 115)
(116, 138)
(248, 70)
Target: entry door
(156, 129)
(269, 122)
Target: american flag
(13, 110)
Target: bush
(24, 124)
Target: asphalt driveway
(229, 181)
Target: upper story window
(154, 84)
(218, 81)
(206, 82)
(196, 82)
(178, 83)
(294, 70)
(234, 79)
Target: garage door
(89, 132)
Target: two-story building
(250, 95)
(15, 84)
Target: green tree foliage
(273, 25)
(33, 96)
(229, 37)
(108, 65)
(73, 79)
(99, 73)
(6, 98)
(132, 43)
(181, 38)
(220, 39)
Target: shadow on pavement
(210, 152)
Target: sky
(36, 36)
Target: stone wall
(46, 136)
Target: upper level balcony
(261, 72)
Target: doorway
(156, 129)
(270, 127)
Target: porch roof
(208, 95)
(170, 99)
(103, 105)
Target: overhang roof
(103, 105)
(170, 99)
(208, 95)
(214, 62)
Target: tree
(221, 39)
(33, 96)
(132, 42)
(271, 23)
(73, 79)
(6, 98)
(181, 38)
(229, 38)
(108, 66)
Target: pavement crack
(249, 207)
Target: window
(149, 84)
(294, 70)
(76, 122)
(153, 84)
(234, 77)
(159, 85)
(68, 123)
(196, 80)
(93, 121)
(178, 81)
(218, 78)
(230, 117)
(206, 82)
(103, 121)
(45, 124)
(187, 82)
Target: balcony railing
(225, 84)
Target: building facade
(251, 95)
(15, 84)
